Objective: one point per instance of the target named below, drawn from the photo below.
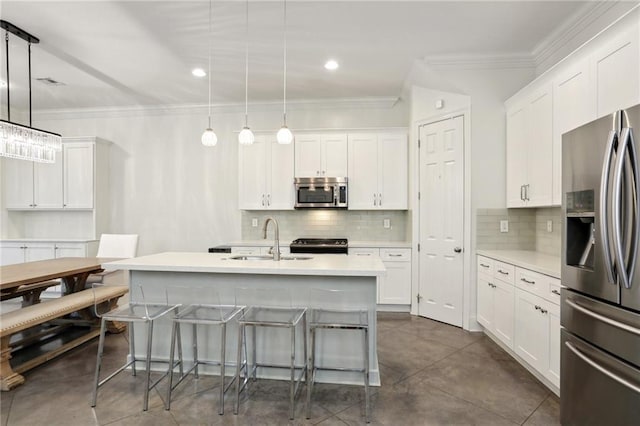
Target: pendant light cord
(246, 71)
(210, 43)
(29, 49)
(6, 42)
(284, 94)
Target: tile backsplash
(355, 225)
(527, 229)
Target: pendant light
(209, 137)
(16, 140)
(284, 135)
(246, 135)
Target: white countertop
(319, 264)
(533, 260)
(47, 240)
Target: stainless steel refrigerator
(600, 311)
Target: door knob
(458, 250)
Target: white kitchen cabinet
(616, 70)
(266, 175)
(495, 302)
(573, 105)
(321, 155)
(530, 149)
(378, 177)
(66, 184)
(78, 176)
(20, 252)
(395, 286)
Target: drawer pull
(555, 292)
(394, 255)
(491, 285)
(527, 281)
(363, 254)
(484, 266)
(503, 272)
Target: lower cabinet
(524, 314)
(395, 286)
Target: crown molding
(480, 61)
(571, 28)
(387, 102)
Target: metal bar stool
(209, 311)
(142, 310)
(269, 308)
(338, 310)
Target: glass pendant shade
(246, 136)
(209, 138)
(284, 136)
(27, 143)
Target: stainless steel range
(320, 245)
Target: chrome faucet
(276, 236)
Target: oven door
(320, 196)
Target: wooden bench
(30, 293)
(21, 319)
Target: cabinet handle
(375, 199)
(503, 272)
(363, 254)
(394, 255)
(317, 172)
(522, 192)
(263, 200)
(537, 307)
(492, 285)
(484, 266)
(543, 311)
(379, 199)
(527, 281)
(555, 292)
(268, 199)
(526, 192)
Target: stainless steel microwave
(321, 193)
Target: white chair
(140, 310)
(122, 246)
(340, 311)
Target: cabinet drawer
(504, 271)
(395, 255)
(553, 295)
(364, 252)
(485, 265)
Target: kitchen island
(335, 349)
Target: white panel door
(441, 220)
(279, 177)
(308, 155)
(485, 301)
(71, 250)
(11, 253)
(553, 372)
(392, 175)
(36, 251)
(363, 172)
(17, 176)
(516, 155)
(253, 172)
(532, 330)
(47, 184)
(573, 106)
(540, 148)
(78, 175)
(396, 287)
(334, 155)
(616, 69)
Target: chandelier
(17, 140)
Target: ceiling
(125, 53)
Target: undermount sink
(255, 257)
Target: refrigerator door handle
(602, 318)
(633, 182)
(604, 207)
(601, 369)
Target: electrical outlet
(504, 226)
(386, 223)
(254, 222)
(549, 226)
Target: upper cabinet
(321, 155)
(378, 177)
(266, 175)
(601, 77)
(69, 183)
(529, 149)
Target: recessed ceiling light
(3, 83)
(198, 72)
(331, 65)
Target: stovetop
(319, 245)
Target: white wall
(177, 194)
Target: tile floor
(432, 374)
